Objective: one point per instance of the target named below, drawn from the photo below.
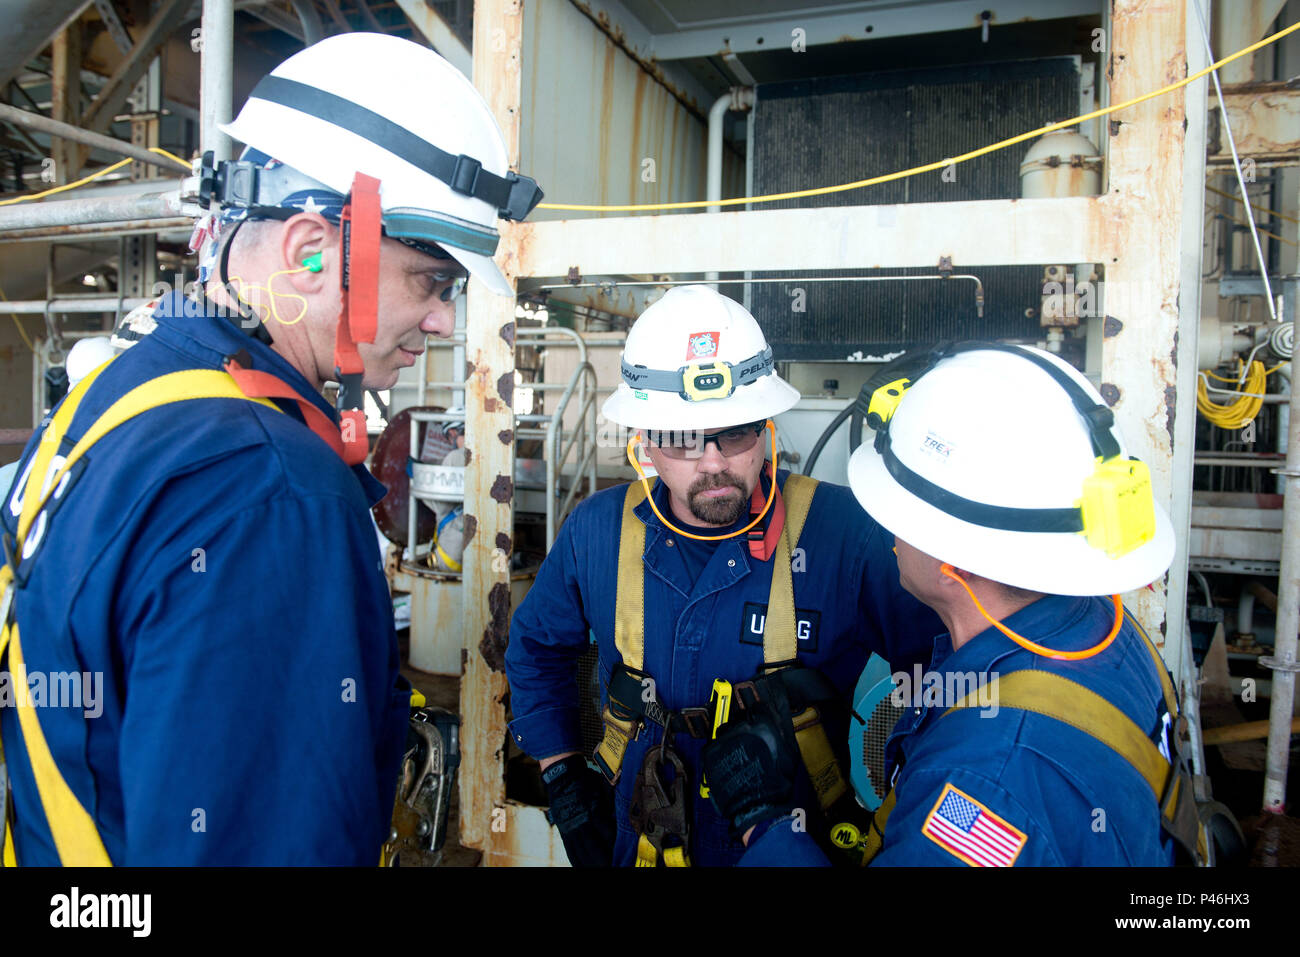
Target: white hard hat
(396, 111)
(85, 356)
(697, 360)
(990, 462)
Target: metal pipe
(1283, 659)
(66, 131)
(1271, 461)
(79, 212)
(89, 231)
(717, 122)
(216, 83)
(38, 307)
(1246, 613)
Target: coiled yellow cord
(1237, 413)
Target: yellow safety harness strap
(76, 838)
(629, 607)
(818, 758)
(1045, 693)
(874, 839)
(780, 635)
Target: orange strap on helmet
(359, 232)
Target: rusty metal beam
(1144, 274)
(489, 476)
(65, 86)
(74, 134)
(980, 233)
(1265, 120)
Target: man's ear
(307, 251)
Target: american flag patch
(966, 828)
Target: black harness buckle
(464, 176)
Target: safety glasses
(455, 272)
(690, 444)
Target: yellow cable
(59, 189)
(21, 330)
(929, 167)
(171, 156)
(93, 176)
(1262, 209)
(1240, 411)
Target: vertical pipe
(217, 69)
(1283, 659)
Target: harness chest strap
(76, 838)
(1053, 696)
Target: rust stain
(601, 20)
(506, 388)
(503, 489)
(606, 115)
(490, 404)
(503, 542)
(470, 368)
(638, 96)
(471, 526)
(506, 436)
(497, 634)
(507, 332)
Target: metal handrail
(582, 385)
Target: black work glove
(750, 768)
(582, 809)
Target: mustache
(707, 483)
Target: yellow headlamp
(706, 380)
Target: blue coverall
(215, 564)
(1075, 801)
(704, 615)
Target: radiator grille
(839, 129)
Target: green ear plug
(313, 262)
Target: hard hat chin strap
(762, 545)
(1028, 645)
(359, 232)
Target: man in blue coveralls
(708, 579)
(1014, 505)
(209, 565)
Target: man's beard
(718, 511)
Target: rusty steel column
(489, 476)
(65, 87)
(1144, 204)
